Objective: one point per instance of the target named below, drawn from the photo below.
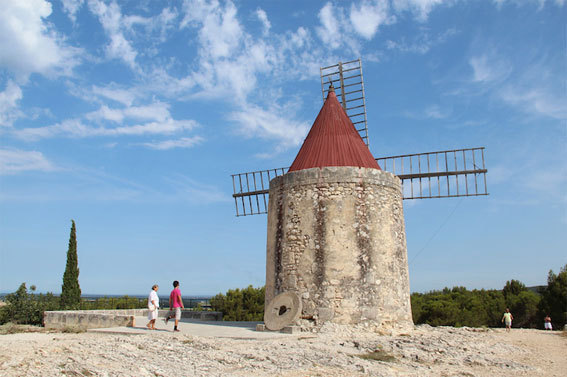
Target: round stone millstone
(283, 310)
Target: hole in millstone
(283, 309)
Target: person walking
(547, 322)
(507, 319)
(153, 306)
(175, 305)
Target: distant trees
(70, 290)
(240, 304)
(522, 303)
(554, 298)
(461, 307)
(23, 307)
(458, 307)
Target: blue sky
(130, 116)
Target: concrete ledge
(96, 319)
(86, 319)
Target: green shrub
(26, 308)
(240, 304)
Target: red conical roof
(333, 141)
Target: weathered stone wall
(88, 319)
(92, 319)
(336, 237)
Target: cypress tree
(71, 291)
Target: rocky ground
(335, 351)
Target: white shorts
(176, 311)
(548, 326)
(152, 314)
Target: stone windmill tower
(336, 247)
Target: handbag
(151, 307)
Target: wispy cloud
(14, 161)
(420, 8)
(263, 17)
(184, 142)
(112, 21)
(269, 125)
(540, 3)
(158, 111)
(189, 189)
(422, 42)
(9, 104)
(71, 7)
(531, 88)
(490, 67)
(78, 129)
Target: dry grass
(12, 328)
(72, 329)
(378, 355)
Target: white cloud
(28, 44)
(123, 96)
(13, 161)
(420, 8)
(112, 21)
(367, 17)
(489, 67)
(329, 32)
(9, 104)
(184, 142)
(269, 124)
(533, 88)
(536, 100)
(220, 31)
(422, 43)
(76, 128)
(263, 17)
(71, 7)
(157, 111)
(541, 3)
(435, 112)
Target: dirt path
(547, 349)
(339, 351)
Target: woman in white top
(153, 306)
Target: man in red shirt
(175, 305)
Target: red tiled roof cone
(333, 141)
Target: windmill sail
(441, 174)
(348, 82)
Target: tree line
(456, 306)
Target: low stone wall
(88, 319)
(95, 319)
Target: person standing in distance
(507, 319)
(153, 306)
(175, 305)
(547, 323)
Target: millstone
(283, 310)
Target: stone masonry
(336, 237)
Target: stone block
(291, 330)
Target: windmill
(336, 247)
(438, 174)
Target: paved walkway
(218, 329)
